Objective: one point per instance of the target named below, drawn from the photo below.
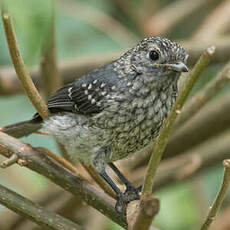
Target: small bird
(115, 110)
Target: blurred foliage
(180, 209)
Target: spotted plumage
(117, 109)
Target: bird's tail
(22, 129)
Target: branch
(98, 179)
(220, 197)
(205, 95)
(190, 164)
(145, 212)
(62, 161)
(34, 212)
(53, 199)
(210, 121)
(21, 70)
(165, 131)
(39, 163)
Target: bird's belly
(127, 143)
(136, 134)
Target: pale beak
(178, 67)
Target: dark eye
(153, 55)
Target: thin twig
(165, 132)
(205, 95)
(220, 196)
(210, 121)
(41, 164)
(190, 164)
(35, 212)
(21, 70)
(98, 179)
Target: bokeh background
(92, 29)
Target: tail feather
(22, 129)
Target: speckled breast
(135, 124)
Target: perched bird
(115, 110)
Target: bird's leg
(123, 198)
(130, 189)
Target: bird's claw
(131, 193)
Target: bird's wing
(85, 95)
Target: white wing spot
(83, 85)
(90, 86)
(76, 108)
(86, 92)
(70, 93)
(102, 85)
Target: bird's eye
(153, 55)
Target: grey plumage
(118, 108)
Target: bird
(115, 110)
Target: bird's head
(156, 59)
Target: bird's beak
(178, 67)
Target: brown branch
(34, 212)
(220, 196)
(21, 70)
(41, 164)
(215, 23)
(210, 121)
(205, 95)
(62, 161)
(146, 210)
(54, 199)
(98, 179)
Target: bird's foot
(131, 193)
